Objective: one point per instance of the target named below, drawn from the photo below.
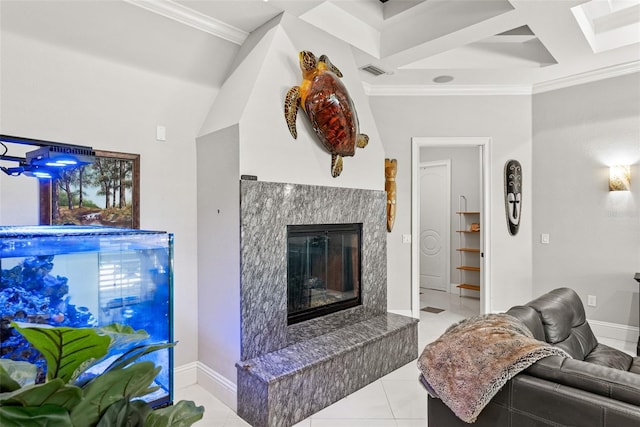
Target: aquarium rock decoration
(29, 293)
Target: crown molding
(587, 77)
(193, 18)
(471, 90)
(448, 90)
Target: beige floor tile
(368, 402)
(407, 398)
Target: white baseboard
(222, 388)
(614, 331)
(185, 375)
(199, 373)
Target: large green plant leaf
(64, 348)
(39, 416)
(122, 335)
(182, 414)
(54, 392)
(129, 413)
(137, 352)
(7, 383)
(110, 387)
(125, 359)
(15, 374)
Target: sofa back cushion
(530, 318)
(564, 322)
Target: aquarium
(78, 276)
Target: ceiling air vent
(372, 69)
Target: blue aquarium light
(48, 160)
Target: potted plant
(73, 396)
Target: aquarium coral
(30, 293)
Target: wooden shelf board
(467, 231)
(468, 213)
(468, 250)
(467, 286)
(468, 268)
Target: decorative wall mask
(513, 194)
(328, 106)
(390, 171)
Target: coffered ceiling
(415, 46)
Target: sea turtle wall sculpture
(328, 106)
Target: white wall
(578, 132)
(507, 121)
(219, 253)
(18, 199)
(53, 93)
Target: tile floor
(395, 400)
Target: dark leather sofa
(599, 386)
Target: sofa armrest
(613, 383)
(608, 356)
(528, 400)
(550, 403)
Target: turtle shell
(332, 114)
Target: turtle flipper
(362, 140)
(336, 165)
(291, 104)
(330, 66)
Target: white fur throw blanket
(473, 359)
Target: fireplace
(323, 269)
(343, 260)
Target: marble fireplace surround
(266, 208)
(287, 373)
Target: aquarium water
(83, 276)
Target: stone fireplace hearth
(325, 358)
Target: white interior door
(435, 219)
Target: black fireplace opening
(323, 269)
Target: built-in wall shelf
(468, 268)
(470, 287)
(468, 247)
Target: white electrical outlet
(544, 238)
(591, 300)
(406, 238)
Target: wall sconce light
(619, 178)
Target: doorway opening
(435, 236)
